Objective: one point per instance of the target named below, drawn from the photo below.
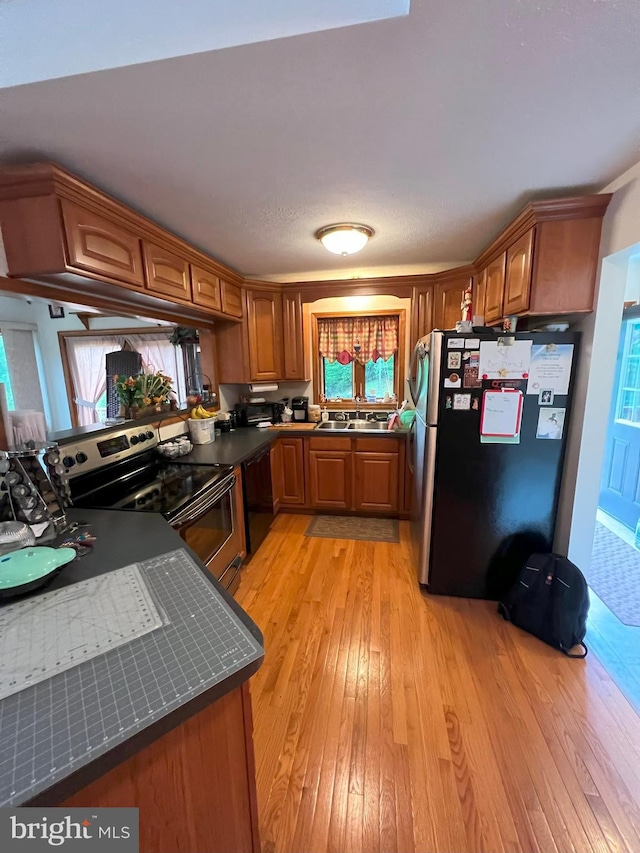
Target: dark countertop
(124, 538)
(235, 447)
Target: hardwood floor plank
(389, 720)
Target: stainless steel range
(123, 471)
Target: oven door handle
(194, 510)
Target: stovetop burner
(152, 485)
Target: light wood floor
(390, 720)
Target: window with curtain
(87, 366)
(358, 357)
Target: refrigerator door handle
(429, 486)
(433, 392)
(411, 378)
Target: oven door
(209, 526)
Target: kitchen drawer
(377, 445)
(330, 443)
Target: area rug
(614, 574)
(346, 527)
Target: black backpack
(550, 600)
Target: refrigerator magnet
(455, 343)
(474, 404)
(447, 402)
(452, 381)
(462, 402)
(453, 360)
(545, 397)
(501, 413)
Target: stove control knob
(81, 457)
(68, 461)
(142, 437)
(134, 439)
(149, 435)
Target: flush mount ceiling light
(344, 238)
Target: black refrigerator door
(494, 504)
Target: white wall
(600, 331)
(36, 312)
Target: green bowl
(27, 566)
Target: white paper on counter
(550, 368)
(498, 361)
(501, 412)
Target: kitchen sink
(359, 425)
(369, 426)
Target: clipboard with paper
(501, 413)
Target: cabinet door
(376, 482)
(447, 301)
(294, 338)
(421, 312)
(292, 492)
(97, 245)
(494, 290)
(206, 288)
(264, 322)
(330, 479)
(231, 296)
(517, 286)
(167, 274)
(479, 291)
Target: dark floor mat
(353, 527)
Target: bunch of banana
(198, 413)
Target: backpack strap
(570, 655)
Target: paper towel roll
(259, 389)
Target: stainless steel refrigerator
(481, 505)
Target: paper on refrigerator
(504, 360)
(550, 368)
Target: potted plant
(143, 394)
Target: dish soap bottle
(325, 414)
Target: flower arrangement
(144, 390)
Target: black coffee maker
(300, 408)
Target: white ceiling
(434, 129)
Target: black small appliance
(251, 414)
(300, 407)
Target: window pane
(379, 378)
(634, 339)
(4, 375)
(338, 380)
(631, 372)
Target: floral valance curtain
(363, 339)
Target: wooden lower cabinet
(330, 479)
(195, 786)
(376, 482)
(292, 488)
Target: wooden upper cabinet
(447, 301)
(478, 294)
(494, 290)
(167, 274)
(421, 312)
(330, 479)
(205, 287)
(517, 286)
(231, 297)
(97, 245)
(376, 481)
(294, 341)
(264, 325)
